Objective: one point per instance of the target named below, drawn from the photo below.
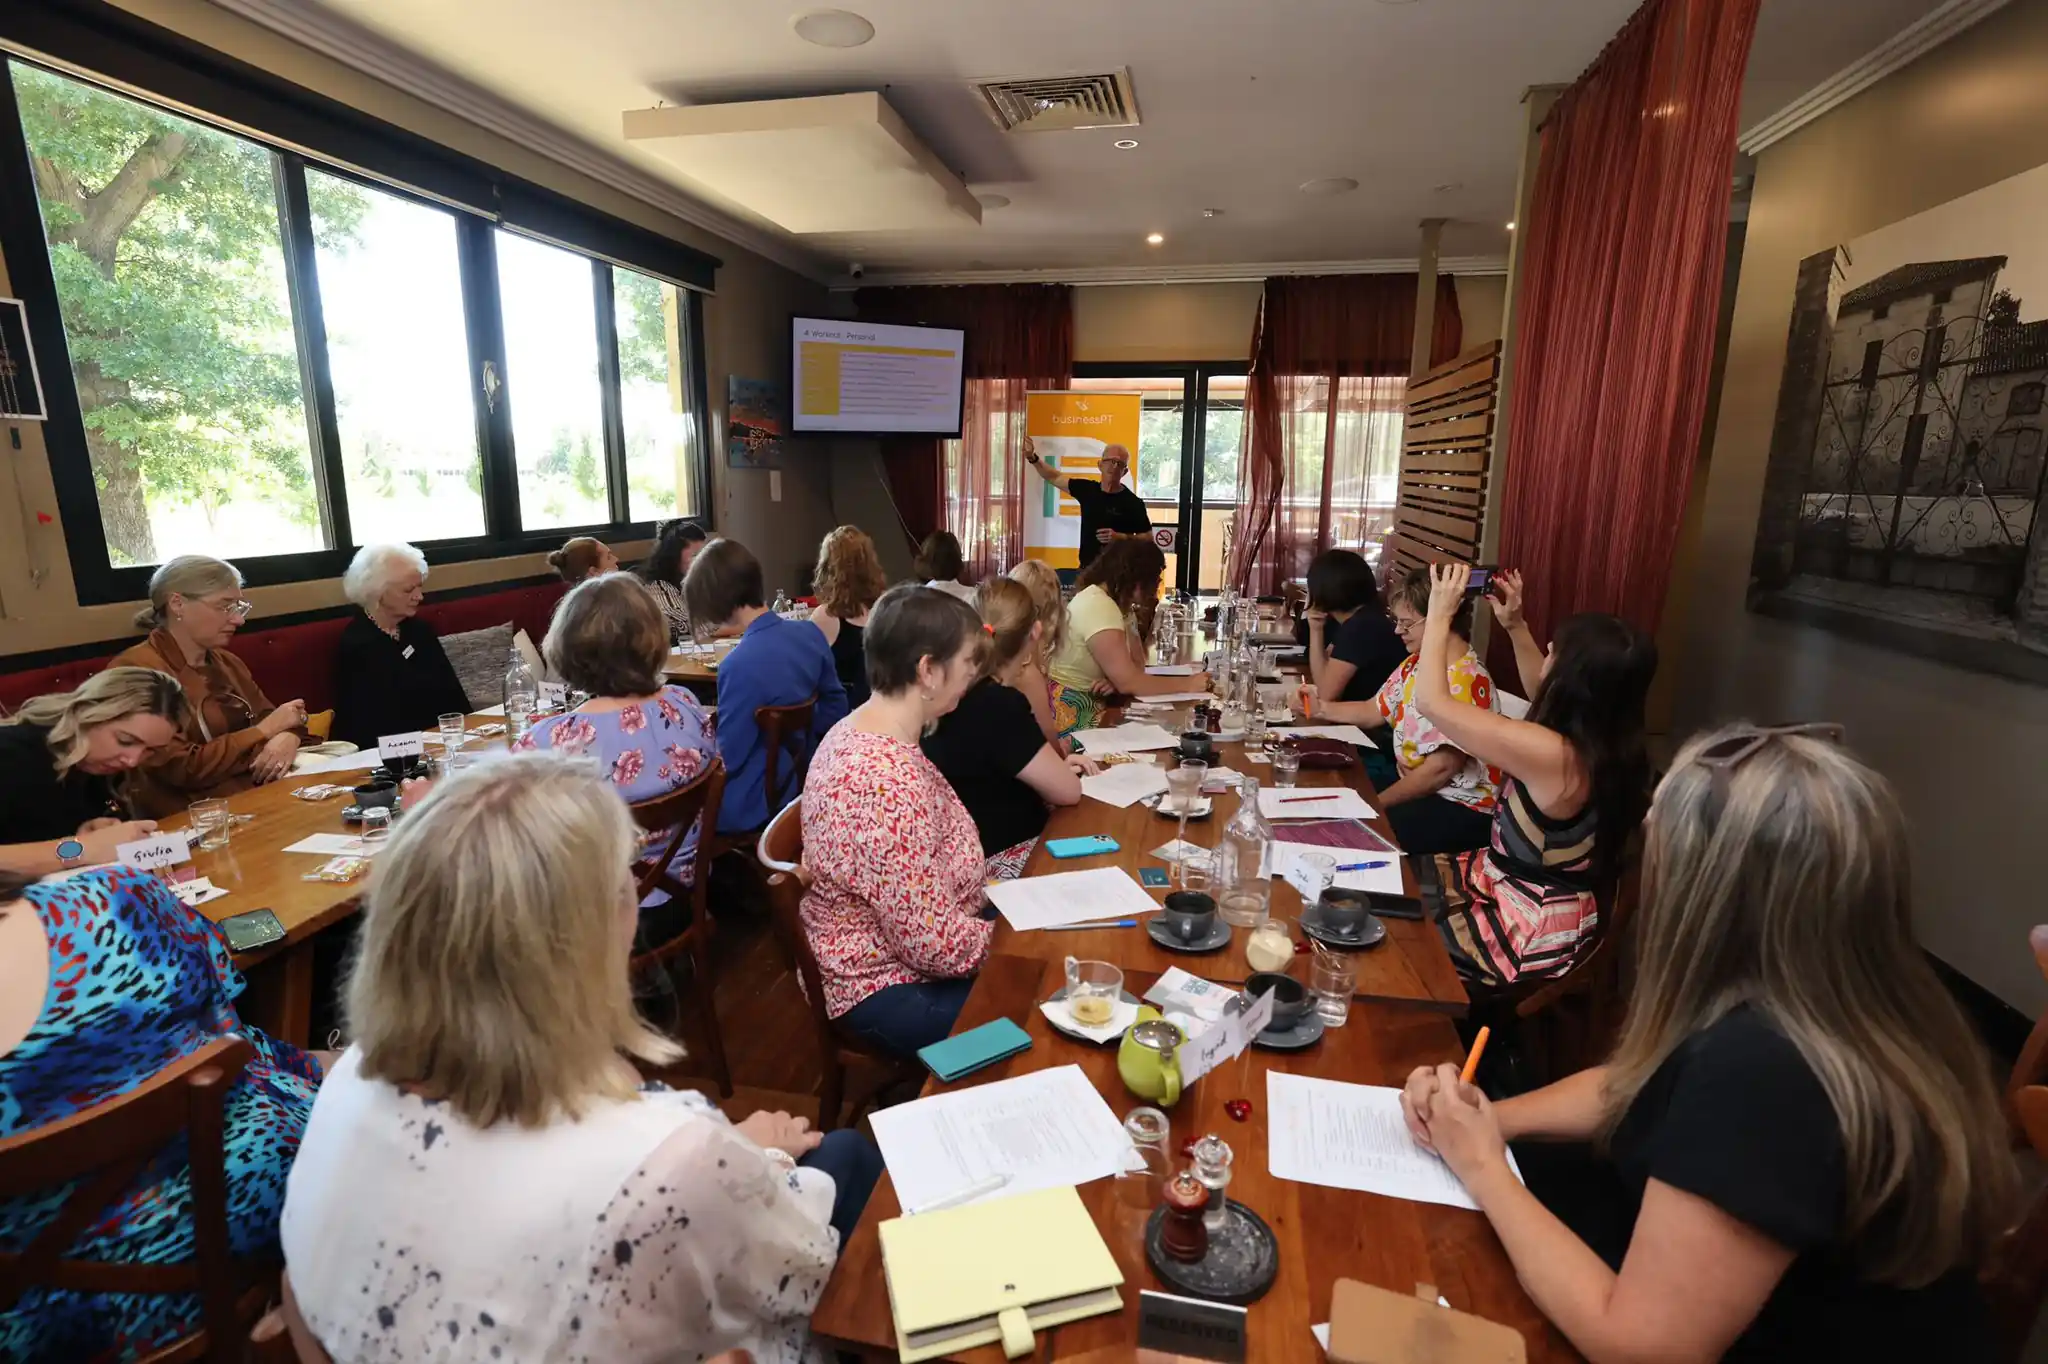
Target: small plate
(1202, 807)
(1373, 934)
(1306, 1032)
(1162, 933)
(1123, 997)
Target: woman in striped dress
(1577, 785)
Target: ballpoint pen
(1365, 866)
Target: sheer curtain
(1019, 337)
(1323, 418)
(1619, 295)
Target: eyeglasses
(233, 610)
(1730, 753)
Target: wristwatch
(70, 852)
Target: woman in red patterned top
(894, 907)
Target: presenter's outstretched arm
(1045, 471)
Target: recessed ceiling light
(1154, 239)
(1334, 184)
(1124, 144)
(993, 200)
(1511, 227)
(832, 27)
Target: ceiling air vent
(1057, 104)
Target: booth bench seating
(297, 660)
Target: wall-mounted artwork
(756, 419)
(1908, 451)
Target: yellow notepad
(995, 1271)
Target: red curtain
(1019, 337)
(1323, 416)
(1614, 336)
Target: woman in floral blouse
(609, 639)
(896, 892)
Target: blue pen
(1364, 866)
(1107, 923)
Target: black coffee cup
(1189, 914)
(1196, 746)
(1342, 911)
(384, 793)
(1290, 996)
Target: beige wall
(745, 334)
(1966, 752)
(1157, 323)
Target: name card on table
(554, 696)
(1191, 1328)
(1226, 1038)
(401, 745)
(155, 852)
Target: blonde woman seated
(60, 759)
(484, 1155)
(849, 578)
(1104, 655)
(1796, 1149)
(1034, 677)
(989, 746)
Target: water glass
(376, 825)
(1145, 1171)
(1255, 731)
(1183, 789)
(454, 732)
(1332, 980)
(212, 826)
(1195, 870)
(1286, 765)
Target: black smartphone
(257, 928)
(1388, 905)
(1481, 581)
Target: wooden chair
(2016, 1279)
(1567, 1024)
(692, 807)
(101, 1150)
(781, 853)
(785, 730)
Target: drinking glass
(376, 825)
(1184, 788)
(454, 732)
(1255, 730)
(211, 824)
(1286, 765)
(1332, 979)
(1195, 870)
(1093, 989)
(1151, 1160)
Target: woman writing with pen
(1795, 1150)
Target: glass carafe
(1243, 892)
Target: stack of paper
(1313, 802)
(1125, 784)
(1368, 871)
(1070, 897)
(1171, 669)
(1343, 1136)
(1129, 738)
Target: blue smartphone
(1087, 845)
(969, 1051)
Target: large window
(274, 361)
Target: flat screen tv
(875, 379)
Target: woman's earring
(926, 695)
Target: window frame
(93, 44)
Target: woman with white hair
(484, 1175)
(390, 674)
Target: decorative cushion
(478, 657)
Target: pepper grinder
(1182, 1236)
(1212, 1157)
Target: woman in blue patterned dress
(124, 980)
(609, 638)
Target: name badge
(406, 652)
(155, 852)
(1191, 1328)
(401, 745)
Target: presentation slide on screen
(863, 376)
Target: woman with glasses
(1795, 1150)
(233, 738)
(1575, 786)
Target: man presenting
(1109, 509)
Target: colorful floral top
(1415, 737)
(648, 749)
(896, 871)
(137, 981)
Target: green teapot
(1147, 1060)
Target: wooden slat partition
(1444, 448)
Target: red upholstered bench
(297, 660)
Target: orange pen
(1472, 1061)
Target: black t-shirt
(850, 661)
(391, 686)
(1122, 510)
(1737, 1117)
(1370, 644)
(989, 739)
(34, 805)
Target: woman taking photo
(1577, 782)
(893, 908)
(1103, 653)
(1034, 676)
(663, 572)
(1801, 1150)
(233, 738)
(59, 756)
(848, 579)
(989, 746)
(390, 673)
(484, 1153)
(583, 557)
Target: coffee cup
(1290, 996)
(1189, 914)
(376, 793)
(1196, 746)
(1343, 911)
